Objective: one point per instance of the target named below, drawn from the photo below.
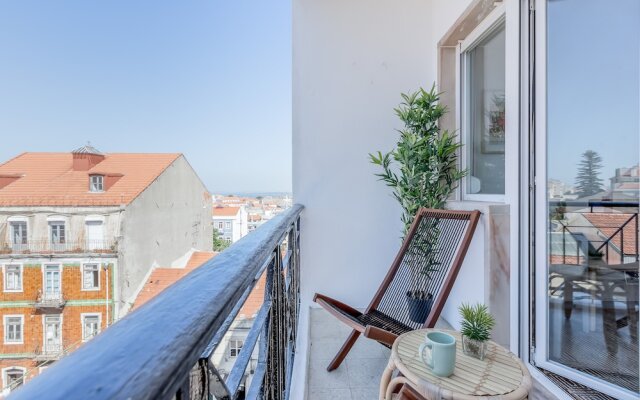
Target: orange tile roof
(609, 223)
(225, 211)
(162, 278)
(255, 299)
(198, 258)
(628, 185)
(48, 179)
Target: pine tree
(588, 182)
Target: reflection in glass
(593, 98)
(485, 81)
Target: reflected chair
(416, 286)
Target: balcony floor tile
(358, 377)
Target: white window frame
(540, 296)
(44, 276)
(227, 225)
(82, 268)
(18, 220)
(4, 275)
(96, 183)
(83, 316)
(4, 322)
(44, 329)
(233, 346)
(57, 222)
(489, 24)
(91, 220)
(220, 225)
(5, 381)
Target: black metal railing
(163, 349)
(46, 246)
(576, 248)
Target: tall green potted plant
(423, 172)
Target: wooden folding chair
(427, 263)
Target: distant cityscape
(81, 246)
(624, 185)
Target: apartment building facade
(79, 233)
(230, 222)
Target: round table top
(500, 373)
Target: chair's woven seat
(383, 321)
(377, 319)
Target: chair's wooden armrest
(380, 335)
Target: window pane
(90, 276)
(19, 232)
(485, 115)
(593, 120)
(91, 326)
(13, 278)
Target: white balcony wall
(351, 61)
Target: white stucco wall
(351, 61)
(172, 216)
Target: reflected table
(501, 373)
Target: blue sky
(210, 79)
(593, 85)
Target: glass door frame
(538, 238)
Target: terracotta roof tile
(225, 211)
(48, 179)
(162, 278)
(609, 223)
(198, 258)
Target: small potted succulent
(477, 323)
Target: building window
(57, 232)
(13, 377)
(228, 225)
(220, 225)
(483, 111)
(52, 334)
(96, 183)
(94, 235)
(90, 326)
(13, 278)
(52, 281)
(90, 276)
(18, 232)
(235, 346)
(13, 328)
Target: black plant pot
(419, 306)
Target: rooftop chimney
(86, 157)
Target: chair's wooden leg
(344, 350)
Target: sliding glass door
(587, 185)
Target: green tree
(588, 181)
(422, 169)
(219, 243)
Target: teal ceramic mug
(442, 353)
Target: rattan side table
(501, 373)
